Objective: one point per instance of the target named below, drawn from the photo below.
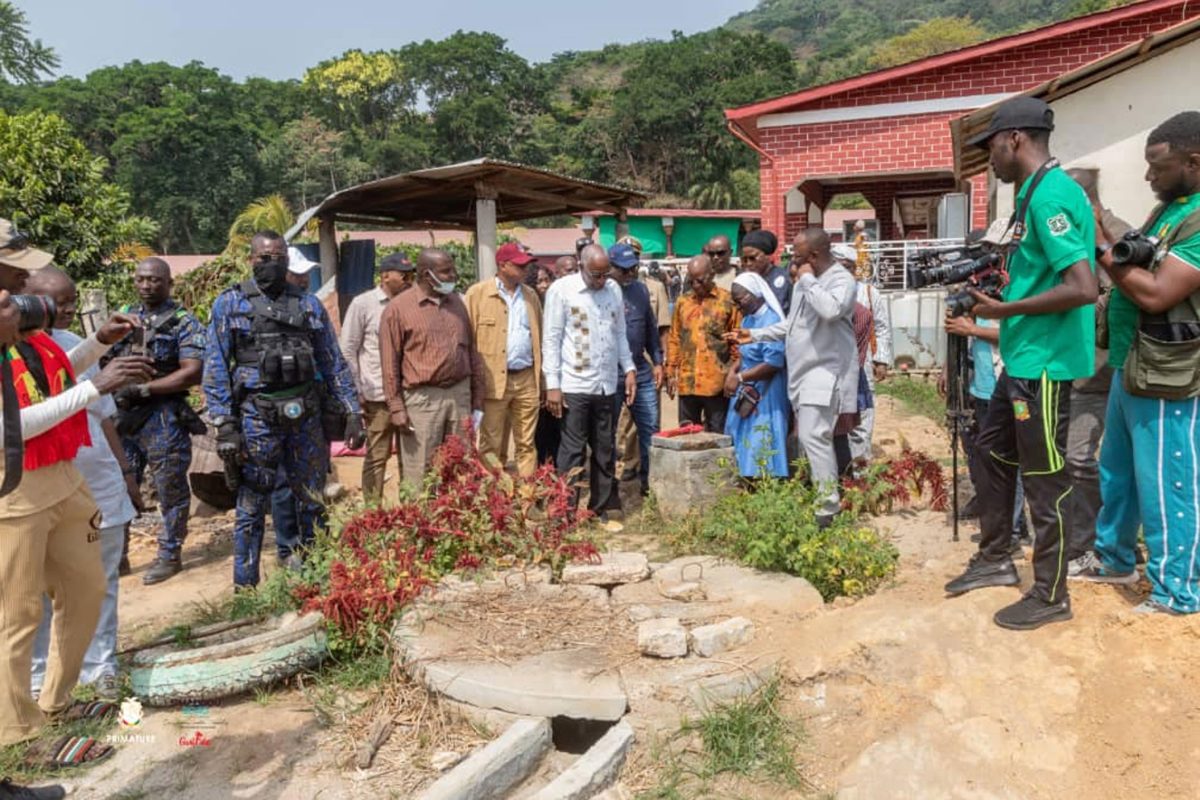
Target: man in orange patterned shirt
(698, 359)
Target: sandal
(86, 710)
(67, 752)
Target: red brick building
(886, 133)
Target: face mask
(271, 276)
(442, 287)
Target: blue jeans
(284, 516)
(101, 656)
(645, 416)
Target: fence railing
(890, 260)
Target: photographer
(1154, 334)
(1047, 330)
(48, 539)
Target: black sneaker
(13, 791)
(161, 570)
(1032, 612)
(981, 573)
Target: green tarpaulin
(689, 237)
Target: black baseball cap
(1018, 113)
(395, 262)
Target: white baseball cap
(297, 263)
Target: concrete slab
(613, 569)
(692, 442)
(709, 640)
(728, 583)
(492, 771)
(723, 689)
(595, 770)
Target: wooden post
(329, 252)
(485, 231)
(622, 225)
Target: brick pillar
(979, 201)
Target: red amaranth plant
(897, 480)
(471, 515)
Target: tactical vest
(1164, 360)
(279, 344)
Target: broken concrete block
(708, 640)
(490, 772)
(614, 568)
(731, 687)
(686, 592)
(594, 770)
(662, 638)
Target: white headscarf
(844, 253)
(756, 285)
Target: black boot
(13, 791)
(162, 569)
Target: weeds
(748, 737)
(917, 395)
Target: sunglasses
(717, 253)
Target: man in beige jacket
(506, 317)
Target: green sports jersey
(1122, 313)
(1059, 231)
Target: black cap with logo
(1019, 113)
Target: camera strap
(1016, 223)
(14, 445)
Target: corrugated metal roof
(444, 197)
(969, 161)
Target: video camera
(973, 265)
(34, 312)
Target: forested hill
(833, 39)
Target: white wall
(1106, 124)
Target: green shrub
(773, 527)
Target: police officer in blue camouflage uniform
(154, 419)
(277, 390)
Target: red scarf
(63, 441)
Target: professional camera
(35, 312)
(945, 274)
(960, 304)
(1135, 249)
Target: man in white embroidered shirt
(584, 349)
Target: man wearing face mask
(269, 347)
(433, 377)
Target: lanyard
(1017, 223)
(14, 444)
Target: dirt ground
(905, 694)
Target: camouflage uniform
(156, 432)
(235, 388)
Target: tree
(928, 39)
(270, 213)
(22, 59)
(52, 188)
(309, 161)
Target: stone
(595, 770)
(488, 720)
(490, 772)
(689, 481)
(713, 692)
(693, 441)
(708, 640)
(613, 569)
(726, 582)
(685, 592)
(662, 638)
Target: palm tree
(266, 213)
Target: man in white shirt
(880, 353)
(584, 349)
(359, 343)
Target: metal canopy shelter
(969, 161)
(474, 195)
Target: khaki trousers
(381, 434)
(435, 413)
(628, 452)
(516, 411)
(56, 552)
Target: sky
(277, 39)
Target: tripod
(958, 413)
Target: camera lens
(1134, 249)
(34, 312)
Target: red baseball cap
(513, 253)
